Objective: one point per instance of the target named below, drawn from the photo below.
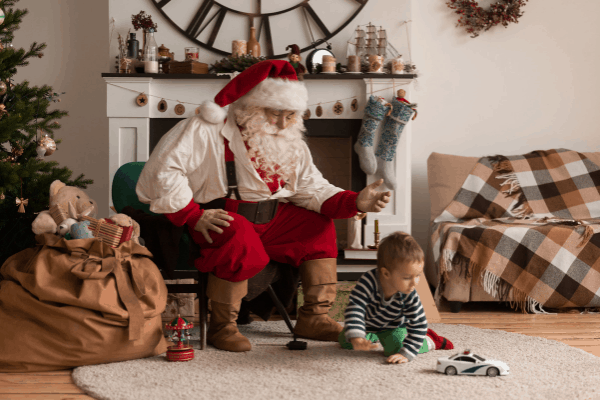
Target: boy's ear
(383, 271)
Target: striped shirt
(368, 311)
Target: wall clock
(208, 22)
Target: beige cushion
(446, 174)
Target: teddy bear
(61, 197)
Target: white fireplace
(129, 123)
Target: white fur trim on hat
(281, 94)
(211, 112)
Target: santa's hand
(370, 200)
(210, 219)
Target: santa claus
(245, 184)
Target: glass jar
(192, 53)
(150, 53)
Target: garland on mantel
(475, 19)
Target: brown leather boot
(319, 278)
(226, 299)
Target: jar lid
(163, 48)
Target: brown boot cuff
(319, 272)
(225, 292)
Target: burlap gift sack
(67, 303)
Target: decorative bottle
(151, 54)
(253, 45)
(133, 45)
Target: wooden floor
(575, 329)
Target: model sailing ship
(372, 41)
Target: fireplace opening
(331, 144)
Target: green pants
(390, 339)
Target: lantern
(181, 350)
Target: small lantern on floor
(182, 351)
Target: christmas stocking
(374, 113)
(386, 149)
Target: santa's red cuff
(341, 205)
(188, 215)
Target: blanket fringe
(503, 291)
(511, 181)
(453, 259)
(522, 211)
(586, 236)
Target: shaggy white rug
(539, 369)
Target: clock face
(215, 24)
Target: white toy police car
(467, 363)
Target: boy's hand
(397, 359)
(362, 344)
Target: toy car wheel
(451, 371)
(493, 372)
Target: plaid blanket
(524, 225)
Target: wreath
(475, 19)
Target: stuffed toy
(61, 196)
(65, 226)
(81, 230)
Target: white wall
(531, 86)
(76, 32)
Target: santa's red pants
(293, 236)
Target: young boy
(384, 305)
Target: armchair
(174, 253)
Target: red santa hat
(269, 84)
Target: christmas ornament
(40, 150)
(21, 202)
(338, 108)
(1, 16)
(48, 143)
(3, 87)
(182, 351)
(375, 111)
(354, 105)
(475, 19)
(3, 111)
(2, 196)
(179, 109)
(319, 111)
(306, 114)
(162, 105)
(142, 100)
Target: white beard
(274, 150)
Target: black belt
(258, 213)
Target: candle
(376, 226)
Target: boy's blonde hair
(398, 249)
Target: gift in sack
(68, 303)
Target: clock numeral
(162, 3)
(264, 23)
(213, 35)
(317, 20)
(193, 29)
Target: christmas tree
(27, 127)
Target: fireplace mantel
(129, 124)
